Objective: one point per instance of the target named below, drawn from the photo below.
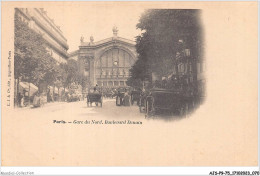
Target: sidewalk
(45, 105)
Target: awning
(25, 86)
(55, 90)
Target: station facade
(106, 62)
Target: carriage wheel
(147, 104)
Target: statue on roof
(91, 39)
(81, 39)
(115, 30)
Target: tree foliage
(32, 61)
(159, 41)
(34, 64)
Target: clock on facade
(115, 63)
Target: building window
(122, 83)
(110, 83)
(86, 73)
(115, 83)
(187, 52)
(115, 60)
(181, 68)
(104, 83)
(99, 83)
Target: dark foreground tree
(162, 33)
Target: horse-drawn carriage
(109, 94)
(163, 100)
(96, 98)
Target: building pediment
(106, 62)
(108, 41)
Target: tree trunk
(58, 93)
(64, 94)
(53, 93)
(17, 91)
(29, 93)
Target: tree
(64, 75)
(73, 73)
(138, 73)
(157, 46)
(32, 61)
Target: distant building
(106, 62)
(37, 20)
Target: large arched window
(114, 63)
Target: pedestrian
(95, 90)
(22, 101)
(49, 96)
(118, 99)
(37, 100)
(127, 99)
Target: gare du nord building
(106, 63)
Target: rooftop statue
(91, 39)
(81, 39)
(115, 30)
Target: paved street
(75, 110)
(80, 111)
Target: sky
(96, 20)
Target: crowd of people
(123, 96)
(123, 99)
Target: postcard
(129, 84)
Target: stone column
(92, 70)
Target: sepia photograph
(129, 84)
(158, 72)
